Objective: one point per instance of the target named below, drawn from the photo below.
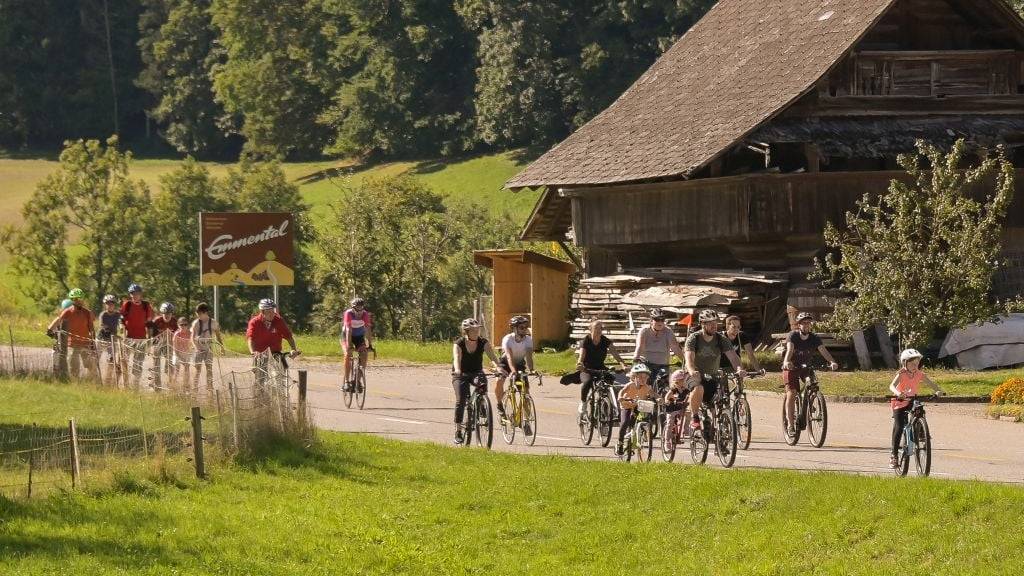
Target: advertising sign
(246, 249)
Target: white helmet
(909, 354)
(470, 323)
(166, 308)
(638, 368)
(267, 304)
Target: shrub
(1009, 392)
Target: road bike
(598, 409)
(354, 387)
(740, 408)
(915, 441)
(479, 419)
(640, 436)
(811, 411)
(520, 411)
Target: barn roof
(741, 64)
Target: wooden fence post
(885, 344)
(142, 420)
(234, 411)
(220, 418)
(197, 442)
(302, 398)
(860, 346)
(75, 470)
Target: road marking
(402, 420)
(556, 438)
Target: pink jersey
(182, 341)
(908, 385)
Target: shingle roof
(741, 64)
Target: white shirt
(516, 350)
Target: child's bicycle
(915, 441)
(640, 438)
(520, 411)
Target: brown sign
(247, 248)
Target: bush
(1009, 392)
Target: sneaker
(579, 409)
(526, 428)
(458, 437)
(346, 387)
(618, 449)
(695, 426)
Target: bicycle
(479, 419)
(718, 427)
(598, 409)
(674, 433)
(811, 411)
(520, 411)
(640, 436)
(354, 387)
(740, 409)
(659, 381)
(915, 442)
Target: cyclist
(905, 385)
(356, 330)
(594, 349)
(110, 319)
(704, 350)
(516, 355)
(78, 321)
(162, 330)
(639, 388)
(136, 316)
(655, 344)
(675, 398)
(204, 331)
(740, 342)
(265, 332)
(800, 347)
(467, 363)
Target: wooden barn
(766, 120)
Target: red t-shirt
(134, 317)
(264, 337)
(160, 325)
(78, 322)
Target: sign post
(246, 249)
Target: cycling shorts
(359, 342)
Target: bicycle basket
(645, 406)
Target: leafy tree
(921, 256)
(179, 47)
(89, 198)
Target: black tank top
(472, 361)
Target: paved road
(415, 403)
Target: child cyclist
(675, 401)
(905, 385)
(639, 388)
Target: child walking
(905, 385)
(182, 354)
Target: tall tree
(179, 47)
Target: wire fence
(181, 421)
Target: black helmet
(804, 316)
(657, 314)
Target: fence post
(14, 362)
(75, 470)
(197, 441)
(31, 459)
(142, 418)
(302, 398)
(220, 419)
(234, 411)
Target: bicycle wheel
(348, 393)
(470, 427)
(605, 420)
(529, 420)
(725, 439)
(360, 386)
(698, 447)
(902, 456)
(744, 426)
(644, 442)
(817, 419)
(483, 422)
(923, 453)
(586, 420)
(670, 438)
(791, 433)
(508, 425)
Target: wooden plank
(860, 345)
(885, 344)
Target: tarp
(988, 345)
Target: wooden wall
(532, 290)
(511, 294)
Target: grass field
(363, 505)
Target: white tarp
(988, 345)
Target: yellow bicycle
(520, 411)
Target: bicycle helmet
(804, 316)
(133, 288)
(517, 320)
(470, 323)
(66, 303)
(110, 299)
(708, 316)
(638, 368)
(357, 302)
(657, 314)
(166, 308)
(76, 294)
(678, 376)
(267, 304)
(909, 354)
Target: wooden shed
(529, 284)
